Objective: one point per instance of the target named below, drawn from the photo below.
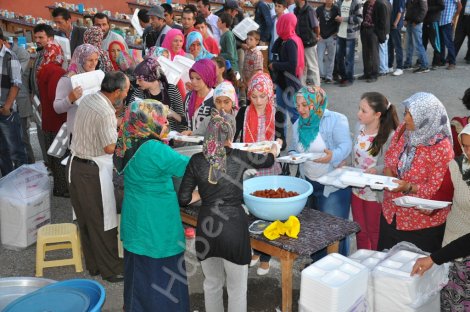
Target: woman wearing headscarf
(321, 131)
(225, 99)
(120, 57)
(151, 229)
(195, 47)
(173, 42)
(199, 101)
(151, 83)
(288, 65)
(418, 157)
(157, 52)
(217, 172)
(94, 36)
(48, 76)
(257, 122)
(456, 245)
(84, 59)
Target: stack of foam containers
(396, 290)
(370, 259)
(334, 283)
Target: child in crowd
(228, 45)
(224, 71)
(253, 61)
(377, 123)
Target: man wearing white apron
(90, 176)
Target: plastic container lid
(54, 299)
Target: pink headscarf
(286, 30)
(167, 42)
(206, 69)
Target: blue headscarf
(309, 127)
(196, 36)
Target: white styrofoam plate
(420, 203)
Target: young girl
(377, 122)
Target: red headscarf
(52, 54)
(124, 61)
(167, 42)
(286, 30)
(260, 82)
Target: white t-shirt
(311, 169)
(343, 27)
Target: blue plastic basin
(272, 209)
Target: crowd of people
(245, 91)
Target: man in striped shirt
(94, 135)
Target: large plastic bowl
(272, 209)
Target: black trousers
(431, 35)
(99, 247)
(58, 171)
(429, 239)
(370, 52)
(462, 31)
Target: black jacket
(381, 18)
(435, 7)
(416, 11)
(305, 18)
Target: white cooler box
(25, 205)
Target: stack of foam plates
(334, 283)
(370, 259)
(396, 290)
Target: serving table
(317, 231)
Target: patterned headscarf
(94, 36)
(124, 61)
(143, 121)
(310, 126)
(149, 70)
(285, 28)
(79, 57)
(167, 42)
(156, 52)
(207, 70)
(464, 159)
(431, 126)
(52, 55)
(225, 88)
(196, 36)
(219, 130)
(262, 83)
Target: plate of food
(257, 147)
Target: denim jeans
(12, 150)
(447, 42)
(345, 58)
(337, 204)
(383, 57)
(414, 39)
(327, 62)
(394, 47)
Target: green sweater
(151, 221)
(228, 48)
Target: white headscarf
(431, 126)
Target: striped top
(95, 126)
(175, 101)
